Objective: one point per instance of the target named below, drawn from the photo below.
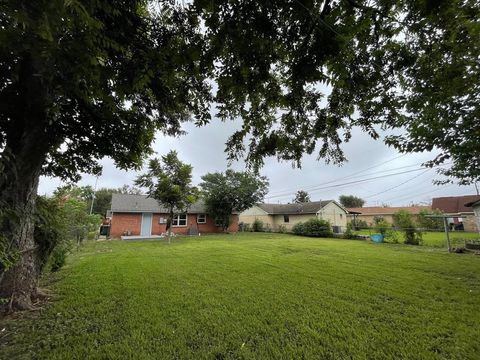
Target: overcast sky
(203, 148)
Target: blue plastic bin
(378, 238)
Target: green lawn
(433, 238)
(255, 296)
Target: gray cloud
(204, 148)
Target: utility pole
(445, 223)
(93, 195)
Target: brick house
(142, 216)
(461, 214)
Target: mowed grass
(255, 296)
(433, 238)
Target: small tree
(128, 189)
(351, 201)
(428, 223)
(231, 191)
(103, 197)
(301, 197)
(103, 200)
(169, 182)
(404, 221)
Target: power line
(348, 176)
(396, 186)
(321, 187)
(420, 194)
(354, 182)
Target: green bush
(58, 257)
(313, 227)
(297, 229)
(258, 226)
(382, 227)
(282, 229)
(348, 234)
(92, 235)
(428, 223)
(49, 227)
(404, 222)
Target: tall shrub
(428, 223)
(313, 227)
(258, 226)
(404, 222)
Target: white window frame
(177, 218)
(204, 218)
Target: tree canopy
(83, 80)
(231, 191)
(351, 201)
(301, 197)
(304, 73)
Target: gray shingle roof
(303, 208)
(142, 203)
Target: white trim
(320, 212)
(178, 220)
(204, 218)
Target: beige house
(287, 215)
(368, 214)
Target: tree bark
(169, 225)
(18, 192)
(26, 148)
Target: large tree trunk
(18, 192)
(19, 282)
(26, 148)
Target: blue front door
(146, 229)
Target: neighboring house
(461, 214)
(368, 214)
(141, 215)
(475, 205)
(275, 215)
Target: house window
(179, 220)
(286, 218)
(201, 218)
(218, 222)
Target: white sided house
(276, 216)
